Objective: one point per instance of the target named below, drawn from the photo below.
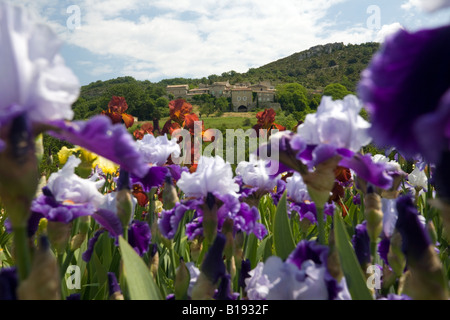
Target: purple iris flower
(357, 199)
(392, 296)
(245, 219)
(246, 267)
(361, 244)
(33, 223)
(35, 83)
(91, 244)
(101, 136)
(139, 236)
(170, 219)
(46, 206)
(442, 177)
(224, 291)
(113, 284)
(8, 283)
(213, 266)
(276, 195)
(415, 238)
(229, 207)
(153, 178)
(310, 250)
(406, 90)
(307, 156)
(383, 249)
(109, 221)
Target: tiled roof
(178, 86)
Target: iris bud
(321, 181)
(59, 235)
(396, 257)
(79, 238)
(212, 269)
(154, 259)
(170, 196)
(373, 215)
(427, 280)
(333, 260)
(196, 248)
(43, 283)
(124, 201)
(210, 220)
(182, 279)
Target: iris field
(159, 213)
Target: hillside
(314, 69)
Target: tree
(222, 104)
(336, 91)
(292, 97)
(207, 108)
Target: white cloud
(426, 5)
(217, 38)
(158, 39)
(387, 30)
(411, 4)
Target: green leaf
(251, 250)
(282, 234)
(264, 249)
(354, 276)
(141, 285)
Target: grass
(228, 120)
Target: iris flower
(254, 175)
(34, 81)
(179, 109)
(335, 130)
(157, 151)
(38, 90)
(146, 128)
(67, 196)
(266, 122)
(205, 179)
(303, 276)
(300, 201)
(205, 191)
(116, 111)
(88, 158)
(406, 89)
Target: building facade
(178, 91)
(244, 97)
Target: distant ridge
(314, 68)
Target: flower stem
(373, 251)
(172, 259)
(320, 225)
(22, 252)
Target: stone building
(265, 96)
(244, 96)
(178, 91)
(219, 89)
(242, 99)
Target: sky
(160, 39)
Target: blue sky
(160, 39)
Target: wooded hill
(314, 69)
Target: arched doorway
(242, 109)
